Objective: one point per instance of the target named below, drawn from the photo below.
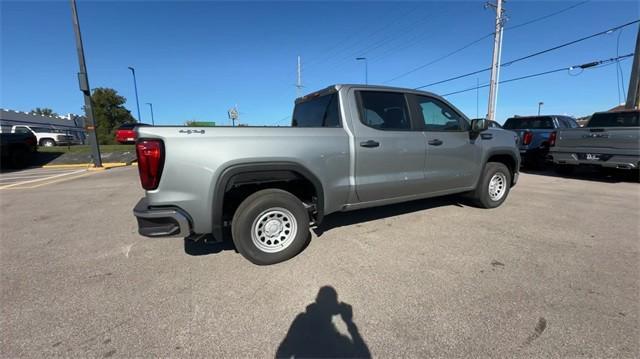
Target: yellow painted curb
(106, 166)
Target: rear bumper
(161, 221)
(609, 161)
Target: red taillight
(150, 162)
(527, 137)
(552, 138)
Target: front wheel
(493, 186)
(270, 226)
(47, 142)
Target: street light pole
(539, 106)
(83, 79)
(366, 69)
(135, 87)
(151, 107)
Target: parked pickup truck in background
(349, 147)
(47, 137)
(536, 134)
(17, 150)
(609, 140)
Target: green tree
(43, 112)
(109, 112)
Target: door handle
(369, 144)
(486, 136)
(435, 142)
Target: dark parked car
(17, 150)
(536, 134)
(126, 134)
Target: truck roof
(338, 87)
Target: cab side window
(21, 129)
(437, 116)
(385, 111)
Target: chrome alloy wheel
(274, 230)
(497, 186)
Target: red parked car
(126, 133)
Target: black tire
(481, 194)
(564, 170)
(256, 207)
(20, 157)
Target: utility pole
(83, 79)
(497, 54)
(151, 108)
(135, 87)
(633, 95)
(299, 79)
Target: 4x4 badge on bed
(192, 131)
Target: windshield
(614, 119)
(536, 123)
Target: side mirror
(479, 124)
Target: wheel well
(506, 160)
(46, 138)
(242, 185)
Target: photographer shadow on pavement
(313, 334)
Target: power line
(608, 31)
(485, 37)
(349, 42)
(587, 65)
(545, 16)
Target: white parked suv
(46, 136)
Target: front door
(390, 154)
(453, 157)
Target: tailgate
(620, 140)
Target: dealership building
(71, 124)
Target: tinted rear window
(614, 119)
(321, 111)
(538, 123)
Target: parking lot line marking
(41, 179)
(50, 182)
(32, 175)
(57, 181)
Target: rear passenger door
(453, 157)
(390, 154)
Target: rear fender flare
(226, 179)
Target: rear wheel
(20, 157)
(270, 226)
(494, 185)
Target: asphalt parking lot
(552, 273)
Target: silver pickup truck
(609, 140)
(348, 147)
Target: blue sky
(194, 60)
